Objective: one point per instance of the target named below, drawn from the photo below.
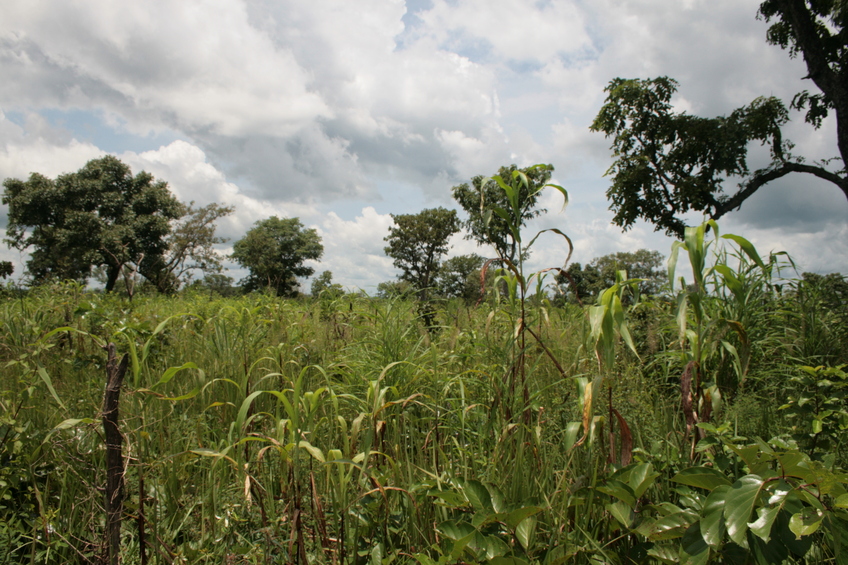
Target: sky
(343, 112)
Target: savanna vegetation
(473, 411)
(703, 424)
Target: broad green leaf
(841, 501)
(478, 495)
(203, 452)
(562, 191)
(702, 477)
(524, 532)
(672, 526)
(762, 526)
(571, 431)
(495, 547)
(497, 497)
(712, 516)
(672, 262)
(621, 512)
(72, 423)
(693, 549)
(693, 237)
(767, 553)
(730, 279)
(451, 498)
(314, 451)
(455, 530)
(805, 522)
(638, 477)
(739, 504)
(377, 554)
(245, 407)
(667, 553)
(424, 559)
(483, 518)
(620, 491)
(520, 514)
(507, 561)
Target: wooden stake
(114, 455)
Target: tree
(275, 251)
(394, 289)
(669, 163)
(417, 243)
(323, 285)
(586, 283)
(190, 247)
(6, 269)
(216, 283)
(483, 195)
(459, 277)
(101, 215)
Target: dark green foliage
(818, 411)
(586, 283)
(417, 243)
(275, 251)
(101, 215)
(459, 277)
(820, 324)
(815, 29)
(394, 289)
(216, 283)
(483, 195)
(6, 269)
(323, 286)
(669, 163)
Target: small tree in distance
(190, 247)
(586, 283)
(480, 198)
(323, 286)
(459, 277)
(275, 251)
(417, 242)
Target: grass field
(684, 428)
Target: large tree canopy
(483, 195)
(190, 247)
(417, 242)
(101, 215)
(669, 163)
(275, 251)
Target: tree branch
(749, 188)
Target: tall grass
(260, 430)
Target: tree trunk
(112, 274)
(114, 456)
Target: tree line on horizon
(104, 222)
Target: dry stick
(114, 457)
(548, 352)
(142, 542)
